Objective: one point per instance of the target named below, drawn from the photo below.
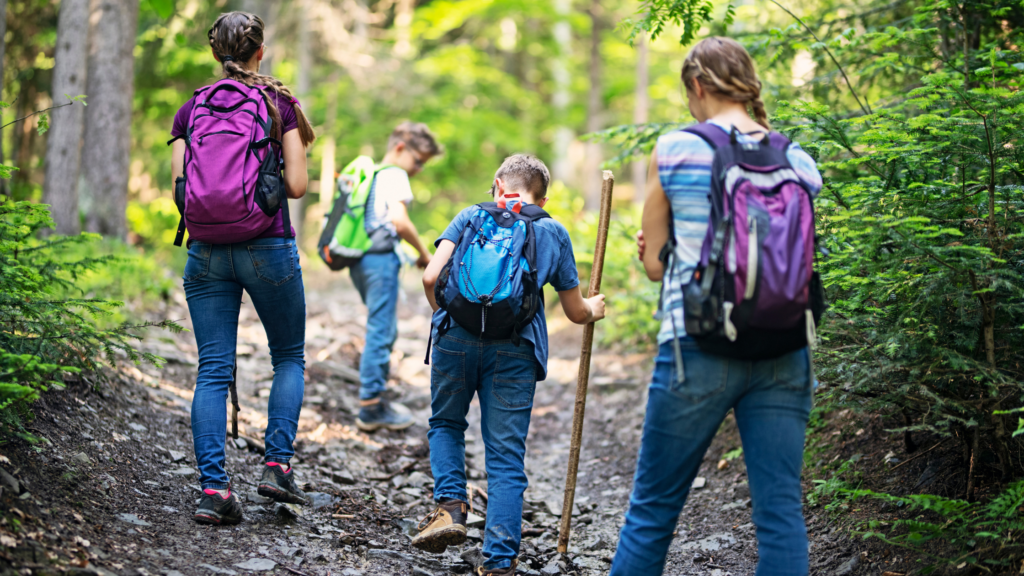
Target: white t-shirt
(392, 187)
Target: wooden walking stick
(583, 379)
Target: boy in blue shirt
(503, 375)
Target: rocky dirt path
(112, 485)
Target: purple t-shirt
(288, 118)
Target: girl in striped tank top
(771, 398)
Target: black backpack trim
(533, 294)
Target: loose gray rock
(257, 565)
(551, 569)
(408, 559)
(82, 458)
(418, 480)
(215, 570)
(173, 573)
(474, 557)
(255, 498)
(10, 481)
(132, 519)
(343, 477)
(846, 568)
(240, 443)
(352, 572)
(699, 482)
(183, 471)
(474, 521)
(320, 500)
(137, 427)
(176, 455)
(287, 510)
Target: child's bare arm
(657, 222)
(581, 310)
(407, 231)
(430, 275)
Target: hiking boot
(510, 571)
(444, 527)
(216, 510)
(279, 485)
(383, 414)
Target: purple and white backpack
(231, 189)
(755, 294)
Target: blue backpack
(489, 285)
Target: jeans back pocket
(515, 379)
(447, 371)
(198, 263)
(274, 263)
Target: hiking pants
(215, 275)
(772, 401)
(504, 378)
(376, 278)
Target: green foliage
(986, 535)
(630, 297)
(45, 334)
(833, 491)
(690, 14)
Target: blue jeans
(215, 274)
(772, 401)
(376, 278)
(504, 377)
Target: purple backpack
(231, 189)
(755, 294)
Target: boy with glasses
(410, 146)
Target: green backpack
(345, 238)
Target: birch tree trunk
(640, 116)
(64, 140)
(108, 117)
(595, 97)
(561, 166)
(3, 32)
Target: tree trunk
(304, 58)
(640, 111)
(64, 140)
(108, 117)
(3, 32)
(403, 26)
(595, 96)
(560, 99)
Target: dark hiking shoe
(217, 510)
(280, 486)
(510, 571)
(383, 414)
(444, 527)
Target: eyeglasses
(419, 161)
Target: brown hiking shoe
(510, 571)
(444, 527)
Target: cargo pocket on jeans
(515, 379)
(447, 372)
(274, 263)
(198, 263)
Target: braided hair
(724, 68)
(235, 38)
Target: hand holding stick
(583, 379)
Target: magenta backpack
(755, 294)
(231, 189)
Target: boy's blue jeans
(772, 401)
(505, 378)
(215, 275)
(376, 279)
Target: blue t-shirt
(556, 265)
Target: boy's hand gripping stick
(583, 379)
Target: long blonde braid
(724, 68)
(235, 37)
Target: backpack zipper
(752, 252)
(221, 132)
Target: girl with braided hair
(266, 267)
(691, 394)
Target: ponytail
(237, 36)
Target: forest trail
(114, 484)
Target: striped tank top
(684, 168)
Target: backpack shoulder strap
(533, 212)
(710, 133)
(779, 141)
